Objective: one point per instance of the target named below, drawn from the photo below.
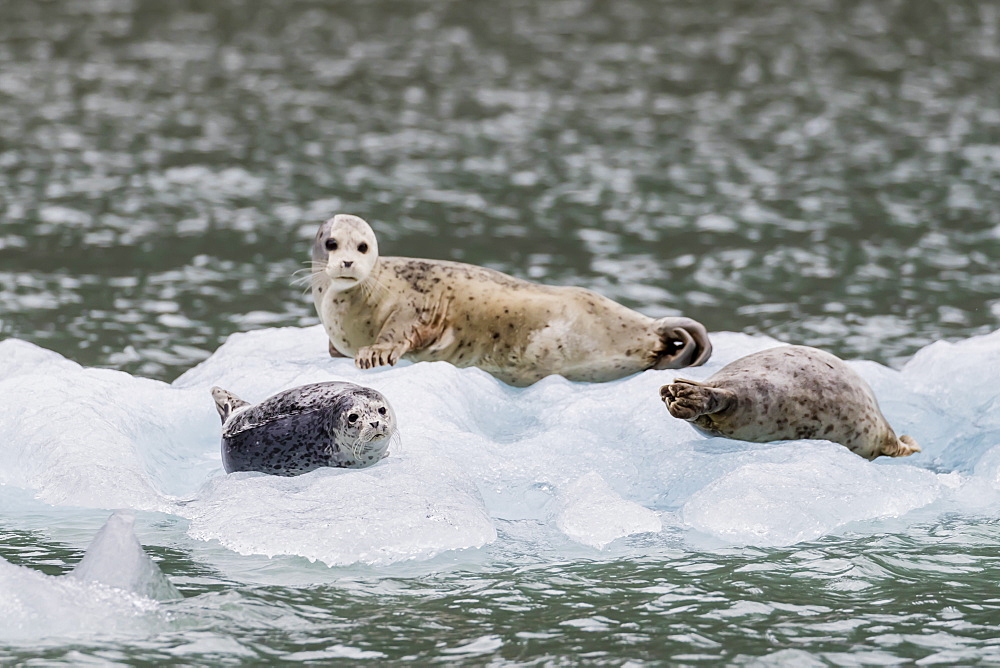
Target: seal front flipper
(226, 402)
(380, 354)
(403, 332)
(685, 343)
(689, 399)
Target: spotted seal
(381, 309)
(785, 393)
(301, 429)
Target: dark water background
(825, 172)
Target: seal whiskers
(374, 288)
(307, 277)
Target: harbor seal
(379, 310)
(786, 393)
(301, 429)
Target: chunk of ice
(115, 558)
(594, 462)
(407, 508)
(591, 513)
(34, 606)
(815, 490)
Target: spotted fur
(785, 393)
(378, 310)
(301, 429)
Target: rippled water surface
(826, 172)
(929, 595)
(823, 172)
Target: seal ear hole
(381, 410)
(331, 244)
(362, 247)
(352, 418)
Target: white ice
(115, 558)
(113, 590)
(590, 512)
(575, 466)
(34, 606)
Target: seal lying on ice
(380, 309)
(785, 393)
(301, 429)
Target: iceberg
(482, 465)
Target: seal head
(345, 250)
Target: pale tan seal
(786, 393)
(381, 309)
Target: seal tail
(226, 402)
(903, 447)
(685, 343)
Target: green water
(823, 172)
(929, 595)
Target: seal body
(301, 429)
(381, 309)
(785, 393)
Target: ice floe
(594, 463)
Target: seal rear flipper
(226, 402)
(685, 343)
(688, 399)
(903, 447)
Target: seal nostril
(348, 263)
(374, 424)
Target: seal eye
(381, 410)
(352, 418)
(362, 247)
(331, 244)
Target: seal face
(301, 429)
(785, 393)
(381, 309)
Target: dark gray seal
(301, 429)
(785, 393)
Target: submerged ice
(570, 464)
(116, 559)
(113, 589)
